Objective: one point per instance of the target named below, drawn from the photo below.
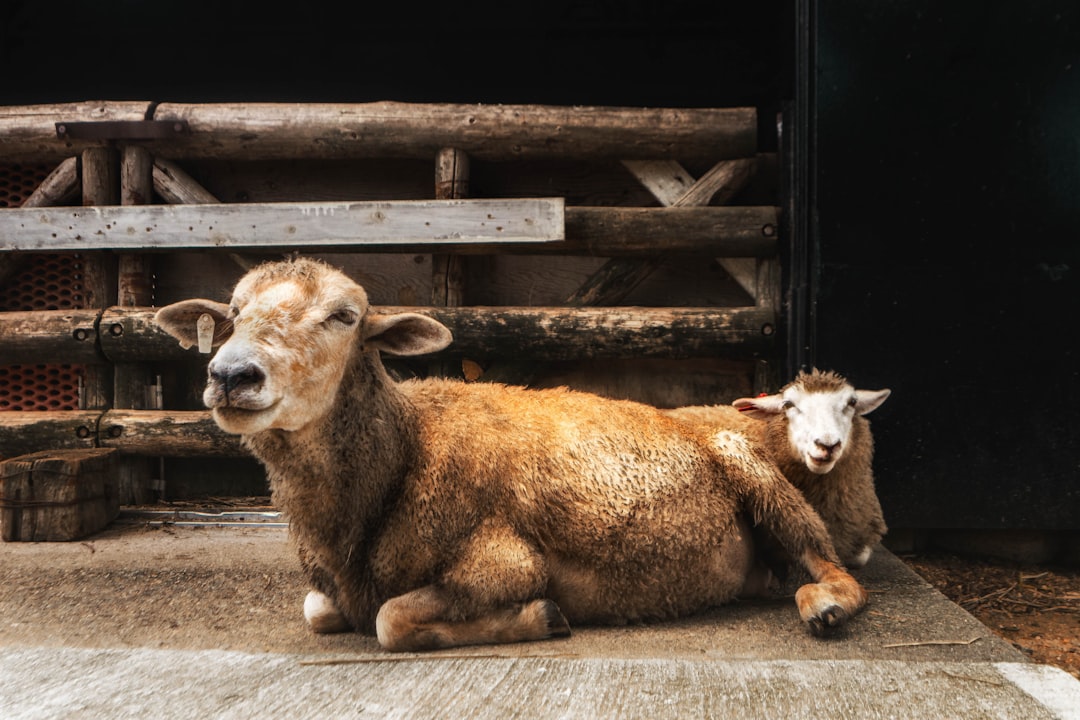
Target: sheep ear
(181, 320)
(762, 407)
(868, 400)
(406, 334)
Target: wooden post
(448, 270)
(100, 184)
(135, 288)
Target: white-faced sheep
(814, 429)
(437, 513)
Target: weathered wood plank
(167, 433)
(598, 231)
(44, 336)
(270, 131)
(277, 225)
(729, 231)
(28, 132)
(101, 187)
(173, 184)
(24, 432)
(63, 185)
(619, 276)
(542, 332)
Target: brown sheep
(436, 513)
(814, 429)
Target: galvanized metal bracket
(122, 130)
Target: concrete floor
(178, 621)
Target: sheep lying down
(816, 432)
(435, 513)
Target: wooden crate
(56, 495)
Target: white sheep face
(286, 340)
(819, 416)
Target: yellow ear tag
(205, 327)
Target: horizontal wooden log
(271, 131)
(167, 433)
(23, 432)
(44, 336)
(130, 334)
(282, 225)
(28, 132)
(561, 333)
(598, 231)
(153, 433)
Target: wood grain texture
(277, 225)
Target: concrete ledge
(206, 622)
(48, 683)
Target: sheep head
(820, 409)
(285, 341)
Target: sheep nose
(827, 447)
(234, 377)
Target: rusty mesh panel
(43, 282)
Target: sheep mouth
(820, 464)
(232, 418)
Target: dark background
(938, 198)
(948, 193)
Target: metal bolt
(767, 329)
(116, 431)
(768, 230)
(116, 329)
(80, 334)
(82, 431)
(61, 129)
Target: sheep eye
(788, 405)
(344, 316)
(852, 402)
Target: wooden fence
(113, 159)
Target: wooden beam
(130, 335)
(28, 132)
(673, 187)
(271, 131)
(45, 336)
(23, 432)
(448, 269)
(600, 231)
(167, 433)
(100, 186)
(60, 187)
(135, 288)
(276, 225)
(176, 187)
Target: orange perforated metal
(42, 282)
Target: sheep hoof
(557, 625)
(827, 621)
(322, 615)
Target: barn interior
(922, 185)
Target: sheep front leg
(489, 594)
(320, 611)
(834, 596)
